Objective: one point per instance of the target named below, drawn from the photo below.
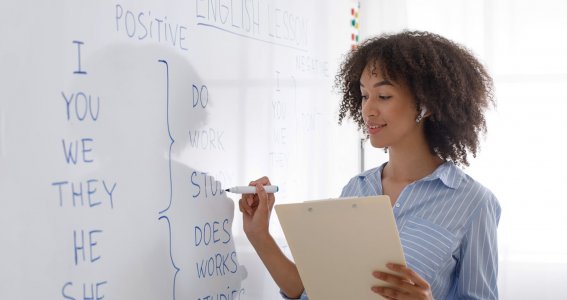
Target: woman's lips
(374, 128)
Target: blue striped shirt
(447, 223)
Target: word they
(82, 194)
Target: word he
(209, 232)
(212, 189)
(142, 26)
(83, 193)
(94, 293)
(203, 139)
(217, 265)
(230, 295)
(79, 246)
(83, 107)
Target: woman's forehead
(373, 72)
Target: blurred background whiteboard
(523, 45)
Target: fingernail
(390, 265)
(377, 289)
(249, 201)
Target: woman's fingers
(397, 281)
(406, 284)
(263, 181)
(263, 199)
(246, 203)
(249, 202)
(255, 201)
(413, 277)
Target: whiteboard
(122, 122)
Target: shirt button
(397, 205)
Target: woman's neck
(410, 164)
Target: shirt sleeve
(351, 188)
(302, 297)
(479, 254)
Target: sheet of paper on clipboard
(338, 243)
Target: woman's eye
(384, 97)
(364, 97)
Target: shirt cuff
(302, 297)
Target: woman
(422, 98)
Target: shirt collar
(447, 173)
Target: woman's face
(388, 109)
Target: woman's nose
(367, 109)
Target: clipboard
(338, 243)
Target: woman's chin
(377, 144)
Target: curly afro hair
(441, 75)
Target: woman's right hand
(256, 210)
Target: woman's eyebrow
(380, 83)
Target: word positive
(143, 26)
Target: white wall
(523, 44)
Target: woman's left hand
(406, 284)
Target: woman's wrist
(259, 239)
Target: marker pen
(270, 189)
